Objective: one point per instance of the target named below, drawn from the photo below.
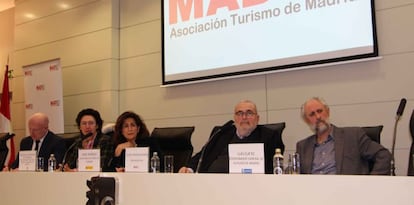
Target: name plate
(89, 160)
(27, 160)
(246, 158)
(136, 159)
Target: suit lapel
(339, 148)
(309, 150)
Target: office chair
(275, 127)
(175, 141)
(4, 150)
(373, 132)
(109, 129)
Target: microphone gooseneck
(226, 126)
(82, 137)
(400, 111)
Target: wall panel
(137, 12)
(395, 30)
(106, 102)
(141, 71)
(87, 48)
(89, 18)
(91, 77)
(140, 39)
(194, 100)
(44, 8)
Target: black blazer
(141, 142)
(219, 142)
(51, 144)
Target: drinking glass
(40, 164)
(168, 163)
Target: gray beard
(321, 127)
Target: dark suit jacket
(353, 150)
(102, 142)
(52, 144)
(219, 142)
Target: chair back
(373, 132)
(175, 141)
(277, 127)
(3, 149)
(412, 125)
(411, 157)
(69, 138)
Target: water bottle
(278, 162)
(51, 163)
(155, 163)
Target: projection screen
(206, 39)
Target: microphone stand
(222, 128)
(394, 136)
(82, 137)
(204, 149)
(66, 153)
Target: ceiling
(6, 4)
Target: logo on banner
(53, 68)
(40, 87)
(29, 106)
(55, 103)
(28, 73)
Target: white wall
(6, 40)
(111, 58)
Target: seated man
(244, 130)
(41, 140)
(334, 150)
(89, 122)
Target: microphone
(401, 108)
(400, 111)
(8, 136)
(82, 137)
(223, 128)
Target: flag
(5, 123)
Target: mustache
(320, 126)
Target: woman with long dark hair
(131, 131)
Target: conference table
(240, 189)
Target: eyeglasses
(248, 113)
(85, 123)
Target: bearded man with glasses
(215, 157)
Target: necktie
(37, 145)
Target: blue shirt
(324, 157)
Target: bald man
(41, 139)
(244, 130)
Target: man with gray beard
(334, 150)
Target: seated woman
(131, 131)
(89, 123)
